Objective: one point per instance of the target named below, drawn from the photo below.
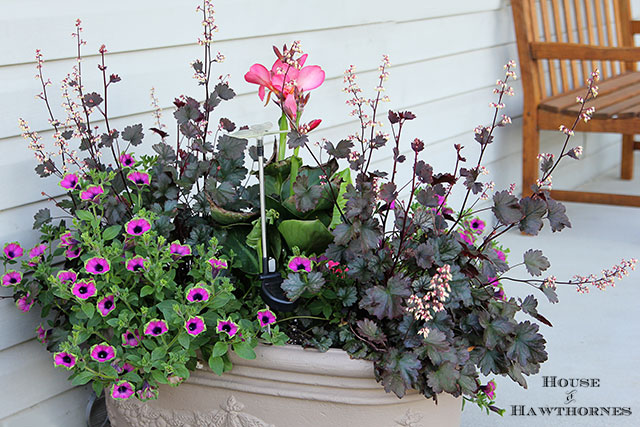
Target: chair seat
(618, 98)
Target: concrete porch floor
(596, 335)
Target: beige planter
(286, 387)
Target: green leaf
(535, 262)
(306, 196)
(159, 376)
(184, 340)
(309, 236)
(445, 378)
(84, 215)
(234, 239)
(341, 202)
(244, 350)
(88, 309)
(166, 307)
(97, 387)
(82, 378)
(225, 217)
(146, 290)
(158, 353)
(220, 349)
(111, 232)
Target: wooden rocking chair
(559, 43)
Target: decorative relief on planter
(410, 419)
(138, 414)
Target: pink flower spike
(69, 181)
(24, 304)
(13, 250)
(266, 317)
(11, 278)
(290, 106)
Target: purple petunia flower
(155, 327)
(218, 264)
(138, 226)
(103, 352)
(197, 294)
(178, 251)
(266, 317)
(124, 369)
(139, 178)
(300, 263)
(127, 160)
(24, 304)
(499, 295)
(501, 255)
(122, 390)
(84, 289)
(131, 339)
(64, 359)
(69, 181)
(13, 250)
(67, 239)
(466, 238)
(92, 193)
(195, 326)
(136, 264)
(67, 276)
(106, 305)
(493, 280)
(43, 334)
(228, 327)
(97, 265)
(147, 392)
(11, 278)
(489, 389)
(37, 251)
(73, 252)
(477, 225)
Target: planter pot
(286, 387)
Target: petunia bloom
(106, 305)
(178, 251)
(300, 263)
(195, 326)
(218, 264)
(69, 181)
(147, 392)
(67, 239)
(136, 264)
(123, 369)
(11, 278)
(37, 251)
(155, 327)
(24, 303)
(13, 250)
(84, 289)
(139, 178)
(228, 327)
(266, 317)
(501, 255)
(138, 226)
(197, 294)
(97, 265)
(131, 339)
(489, 389)
(92, 193)
(73, 252)
(102, 352)
(122, 390)
(43, 334)
(64, 359)
(477, 225)
(127, 160)
(67, 276)
(468, 239)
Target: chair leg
(530, 151)
(626, 168)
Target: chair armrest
(553, 50)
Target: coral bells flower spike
(131, 339)
(97, 265)
(155, 327)
(64, 359)
(218, 264)
(122, 390)
(11, 278)
(13, 250)
(139, 178)
(228, 327)
(127, 160)
(195, 326)
(137, 264)
(137, 226)
(300, 263)
(103, 352)
(178, 251)
(24, 304)
(92, 193)
(84, 289)
(106, 305)
(197, 294)
(266, 317)
(69, 181)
